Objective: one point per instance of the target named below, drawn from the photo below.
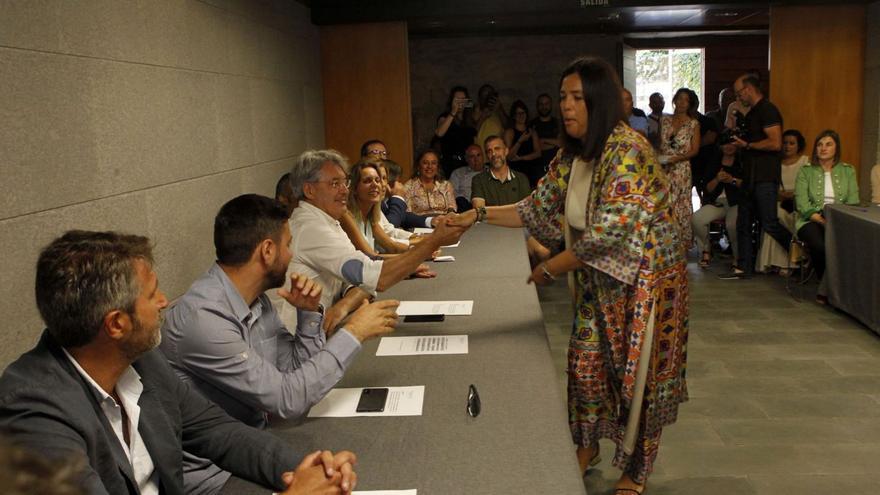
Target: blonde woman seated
(772, 256)
(364, 222)
(723, 180)
(428, 193)
(826, 180)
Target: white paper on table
(461, 308)
(342, 403)
(441, 259)
(452, 245)
(385, 492)
(422, 230)
(423, 345)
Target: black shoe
(734, 275)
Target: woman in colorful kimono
(604, 207)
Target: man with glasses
(762, 169)
(374, 149)
(323, 251)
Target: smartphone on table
(372, 400)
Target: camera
(739, 130)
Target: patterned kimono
(633, 267)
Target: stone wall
(143, 117)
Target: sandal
(707, 258)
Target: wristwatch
(546, 273)
(481, 214)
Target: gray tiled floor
(785, 394)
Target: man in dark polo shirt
(761, 173)
(498, 185)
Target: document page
(449, 308)
(440, 259)
(422, 230)
(414, 346)
(342, 403)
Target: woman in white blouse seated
(772, 256)
(364, 206)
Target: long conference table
(520, 443)
(852, 252)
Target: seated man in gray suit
(95, 390)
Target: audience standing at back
(679, 142)
(489, 114)
(638, 122)
(547, 127)
(523, 144)
(657, 104)
(455, 129)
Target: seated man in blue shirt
(96, 393)
(225, 337)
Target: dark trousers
(813, 235)
(758, 203)
(462, 204)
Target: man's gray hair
(82, 276)
(308, 168)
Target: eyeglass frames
(335, 183)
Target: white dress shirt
(129, 389)
(322, 251)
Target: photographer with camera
(759, 141)
(455, 130)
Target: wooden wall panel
(817, 56)
(365, 78)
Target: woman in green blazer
(823, 181)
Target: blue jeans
(760, 201)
